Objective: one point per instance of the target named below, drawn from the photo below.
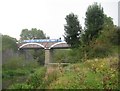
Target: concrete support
(48, 56)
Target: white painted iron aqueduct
(46, 44)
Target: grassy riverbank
(96, 73)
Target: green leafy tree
(72, 30)
(24, 34)
(93, 22)
(102, 45)
(93, 25)
(8, 43)
(32, 34)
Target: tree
(102, 45)
(93, 25)
(9, 48)
(32, 34)
(72, 30)
(8, 43)
(93, 22)
(24, 34)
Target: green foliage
(102, 46)
(36, 79)
(33, 81)
(72, 78)
(72, 30)
(93, 22)
(108, 30)
(16, 70)
(75, 55)
(92, 74)
(108, 67)
(39, 55)
(7, 74)
(115, 38)
(99, 52)
(49, 78)
(68, 55)
(32, 34)
(61, 56)
(17, 66)
(99, 37)
(14, 63)
(19, 62)
(8, 43)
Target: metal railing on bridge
(42, 40)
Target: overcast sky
(47, 15)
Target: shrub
(19, 63)
(16, 70)
(14, 63)
(36, 79)
(61, 55)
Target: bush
(6, 74)
(36, 79)
(51, 77)
(19, 62)
(16, 70)
(61, 56)
(14, 63)
(33, 81)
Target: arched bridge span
(46, 44)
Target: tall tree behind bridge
(93, 22)
(32, 34)
(72, 30)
